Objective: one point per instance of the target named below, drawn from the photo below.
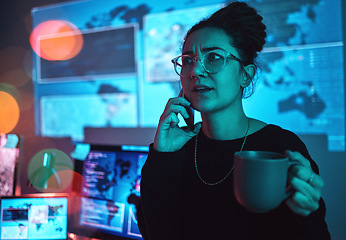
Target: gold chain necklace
(215, 183)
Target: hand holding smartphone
(170, 136)
(189, 121)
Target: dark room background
(301, 84)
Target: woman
(186, 187)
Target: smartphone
(190, 122)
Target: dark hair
(244, 26)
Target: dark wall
(15, 53)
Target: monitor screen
(107, 192)
(34, 216)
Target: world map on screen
(300, 84)
(28, 220)
(110, 188)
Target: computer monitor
(106, 191)
(34, 216)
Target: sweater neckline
(205, 138)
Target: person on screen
(186, 186)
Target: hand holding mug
(306, 184)
(260, 179)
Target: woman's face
(211, 92)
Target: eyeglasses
(212, 62)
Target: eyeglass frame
(196, 58)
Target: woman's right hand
(169, 136)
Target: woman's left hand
(306, 184)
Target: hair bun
(243, 19)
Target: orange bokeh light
(9, 112)
(56, 40)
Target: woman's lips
(201, 88)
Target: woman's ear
(249, 74)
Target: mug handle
(291, 163)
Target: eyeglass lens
(212, 63)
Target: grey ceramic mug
(260, 179)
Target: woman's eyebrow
(211, 49)
(208, 49)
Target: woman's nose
(198, 69)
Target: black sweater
(176, 204)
